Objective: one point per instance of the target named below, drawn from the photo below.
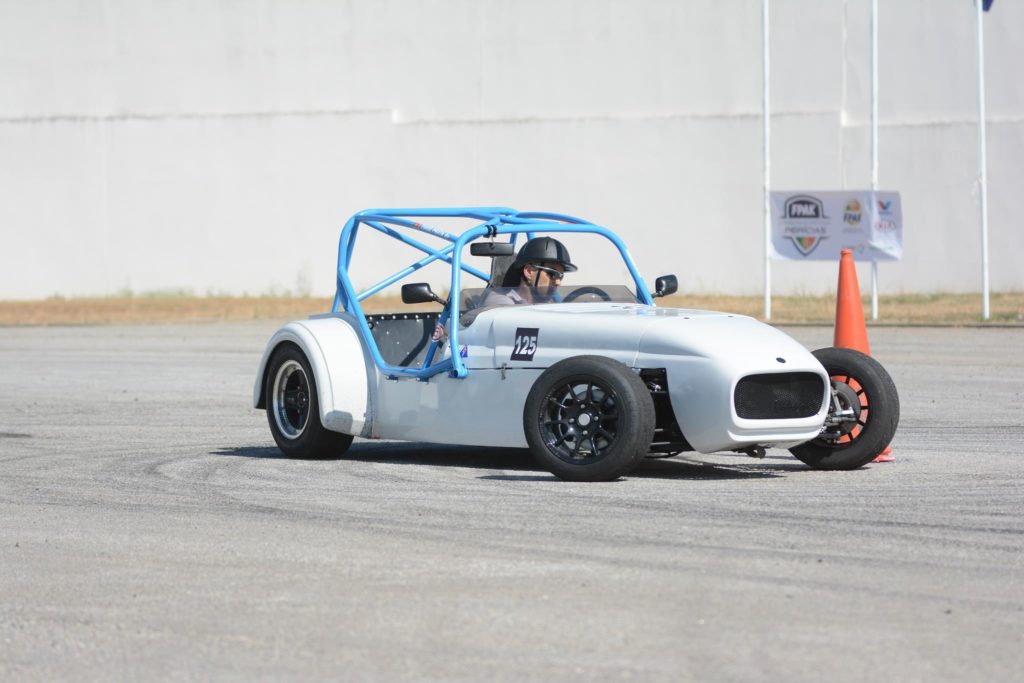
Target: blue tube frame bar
(494, 221)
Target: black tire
(617, 423)
(293, 409)
(865, 389)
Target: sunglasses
(551, 272)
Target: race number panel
(525, 344)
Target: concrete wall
(218, 146)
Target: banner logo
(852, 213)
(885, 208)
(805, 244)
(804, 216)
(804, 206)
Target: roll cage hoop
(494, 221)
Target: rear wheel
(863, 413)
(293, 409)
(589, 418)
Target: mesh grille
(779, 396)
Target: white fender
(336, 356)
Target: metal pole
(874, 146)
(983, 170)
(767, 166)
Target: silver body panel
(704, 355)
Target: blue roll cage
(495, 221)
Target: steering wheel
(582, 291)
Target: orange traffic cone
(851, 331)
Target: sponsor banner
(816, 226)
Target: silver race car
(591, 378)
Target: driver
(535, 275)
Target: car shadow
(270, 452)
(688, 467)
(691, 467)
(477, 457)
(410, 453)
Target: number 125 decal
(526, 343)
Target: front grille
(785, 395)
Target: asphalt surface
(149, 529)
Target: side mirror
(420, 293)
(491, 249)
(665, 285)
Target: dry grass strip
(924, 309)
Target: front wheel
(589, 418)
(864, 411)
(293, 409)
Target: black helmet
(544, 250)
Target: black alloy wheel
(582, 420)
(293, 408)
(589, 418)
(291, 398)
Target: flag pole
(983, 163)
(767, 165)
(874, 147)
